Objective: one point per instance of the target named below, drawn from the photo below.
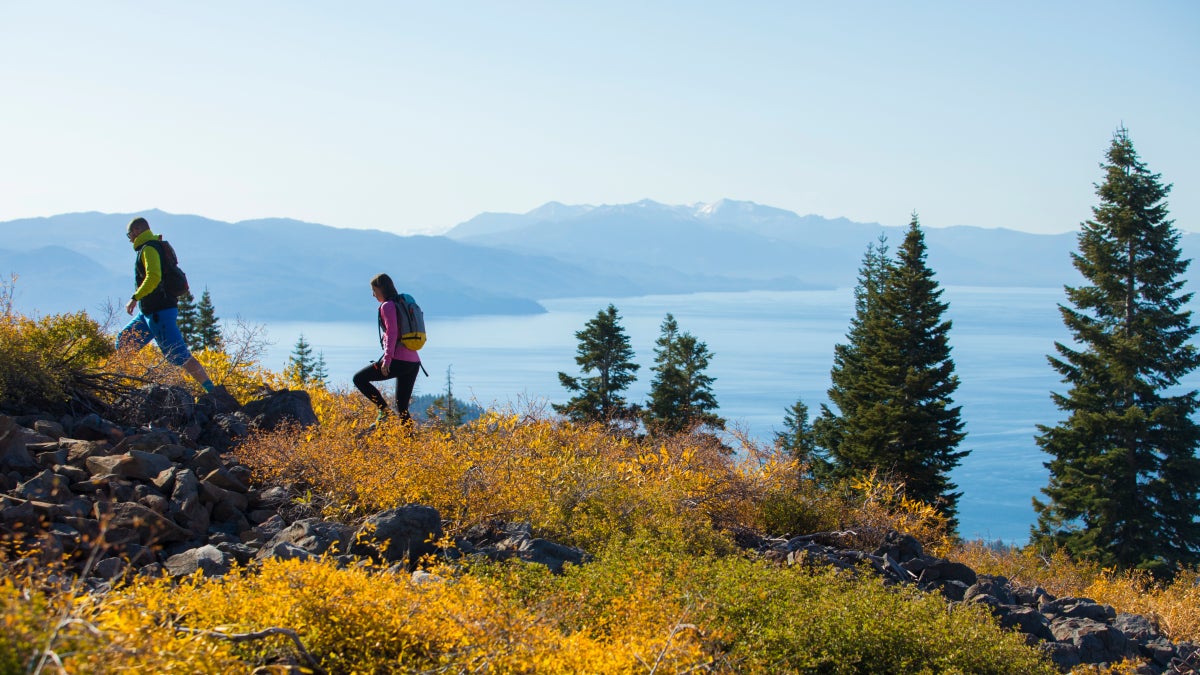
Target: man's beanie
(136, 224)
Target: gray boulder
(151, 528)
(401, 534)
(110, 568)
(1097, 642)
(47, 486)
(225, 479)
(929, 570)
(900, 547)
(146, 441)
(283, 550)
(217, 402)
(315, 536)
(1027, 620)
(987, 586)
(13, 451)
(49, 428)
(146, 465)
(1136, 627)
(157, 405)
(550, 554)
(1077, 608)
(186, 509)
(92, 427)
(210, 560)
(281, 407)
(109, 465)
(501, 541)
(79, 450)
(225, 430)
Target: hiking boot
(381, 418)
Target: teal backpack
(412, 322)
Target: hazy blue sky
(416, 116)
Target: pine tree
(681, 393)
(929, 426)
(604, 349)
(301, 366)
(186, 320)
(320, 372)
(898, 416)
(798, 439)
(1124, 486)
(207, 324)
(849, 391)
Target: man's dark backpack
(174, 281)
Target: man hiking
(157, 308)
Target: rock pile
(147, 495)
(1072, 631)
(161, 494)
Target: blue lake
(769, 349)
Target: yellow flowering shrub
(364, 621)
(243, 380)
(50, 628)
(576, 483)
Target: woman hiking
(397, 362)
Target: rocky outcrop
(144, 494)
(498, 540)
(155, 496)
(1071, 631)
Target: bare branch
(260, 635)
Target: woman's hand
(383, 366)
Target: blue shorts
(160, 327)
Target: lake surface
(769, 349)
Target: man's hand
(131, 306)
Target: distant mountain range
(500, 263)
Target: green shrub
(789, 620)
(756, 617)
(43, 362)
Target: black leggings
(405, 373)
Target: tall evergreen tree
(900, 416)
(604, 349)
(1124, 484)
(186, 321)
(929, 426)
(207, 324)
(681, 392)
(850, 391)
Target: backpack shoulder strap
(165, 250)
(379, 316)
